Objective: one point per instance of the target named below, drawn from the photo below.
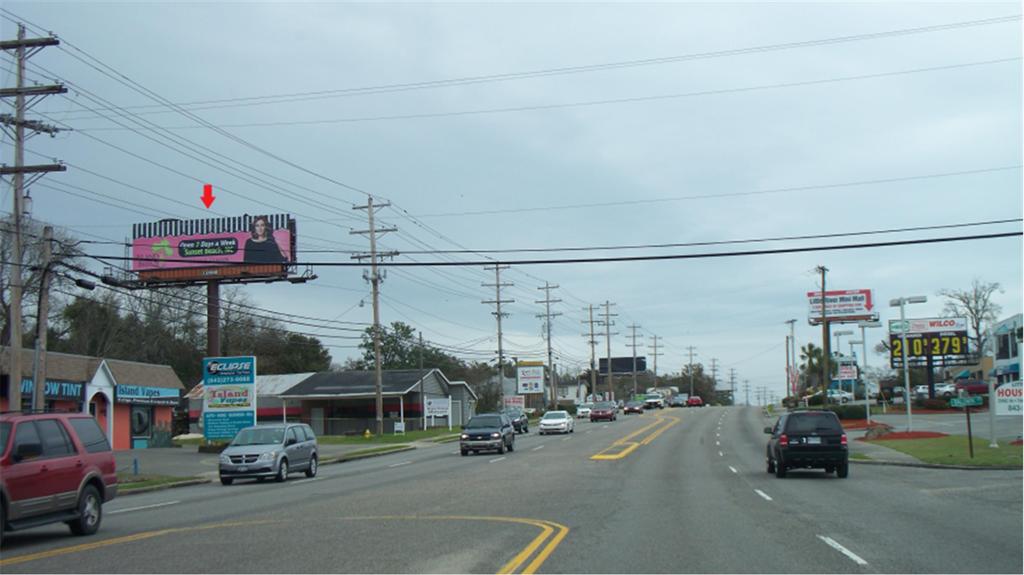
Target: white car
(945, 389)
(557, 422)
(583, 411)
(839, 396)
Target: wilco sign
(929, 325)
(1010, 399)
(229, 398)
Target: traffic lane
(213, 503)
(671, 507)
(880, 503)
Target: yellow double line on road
(539, 548)
(623, 447)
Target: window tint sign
(55, 390)
(229, 399)
(144, 395)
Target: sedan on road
(583, 411)
(557, 422)
(487, 432)
(604, 411)
(519, 419)
(633, 407)
(807, 439)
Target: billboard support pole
(213, 318)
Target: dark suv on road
(520, 421)
(487, 432)
(54, 467)
(807, 439)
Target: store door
(142, 426)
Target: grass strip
(128, 482)
(952, 450)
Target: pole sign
(841, 306)
(514, 402)
(229, 396)
(847, 371)
(529, 379)
(1009, 399)
(938, 337)
(437, 406)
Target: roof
(329, 384)
(468, 387)
(82, 368)
(266, 385)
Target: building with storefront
(1005, 340)
(133, 402)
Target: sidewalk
(186, 461)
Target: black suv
(807, 439)
(520, 421)
(486, 432)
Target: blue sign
(229, 398)
(56, 390)
(142, 395)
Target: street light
(901, 302)
(863, 325)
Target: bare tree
(976, 305)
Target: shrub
(936, 403)
(847, 411)
(816, 399)
(790, 402)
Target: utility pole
(792, 381)
(691, 348)
(732, 384)
(497, 301)
(423, 400)
(608, 339)
(788, 366)
(548, 315)
(42, 311)
(825, 346)
(633, 346)
(714, 372)
(374, 278)
(593, 356)
(746, 390)
(24, 49)
(655, 353)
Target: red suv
(54, 467)
(695, 401)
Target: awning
(1005, 369)
(965, 374)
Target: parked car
(840, 396)
(54, 467)
(583, 411)
(633, 407)
(695, 401)
(520, 421)
(945, 390)
(807, 439)
(557, 422)
(487, 432)
(263, 451)
(677, 401)
(604, 411)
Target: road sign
(969, 401)
(841, 306)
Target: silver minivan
(264, 451)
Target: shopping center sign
(229, 398)
(841, 306)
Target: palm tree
(810, 368)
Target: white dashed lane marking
(763, 494)
(835, 545)
(497, 460)
(153, 506)
(537, 448)
(400, 464)
(733, 469)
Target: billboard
(622, 364)
(229, 395)
(183, 250)
(841, 306)
(529, 379)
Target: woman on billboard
(261, 248)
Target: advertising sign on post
(514, 401)
(942, 338)
(438, 407)
(1009, 399)
(229, 398)
(529, 379)
(841, 306)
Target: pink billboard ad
(205, 250)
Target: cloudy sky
(507, 126)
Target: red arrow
(868, 305)
(208, 196)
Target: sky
(514, 126)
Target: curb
(344, 458)
(937, 465)
(446, 439)
(161, 487)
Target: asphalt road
(672, 491)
